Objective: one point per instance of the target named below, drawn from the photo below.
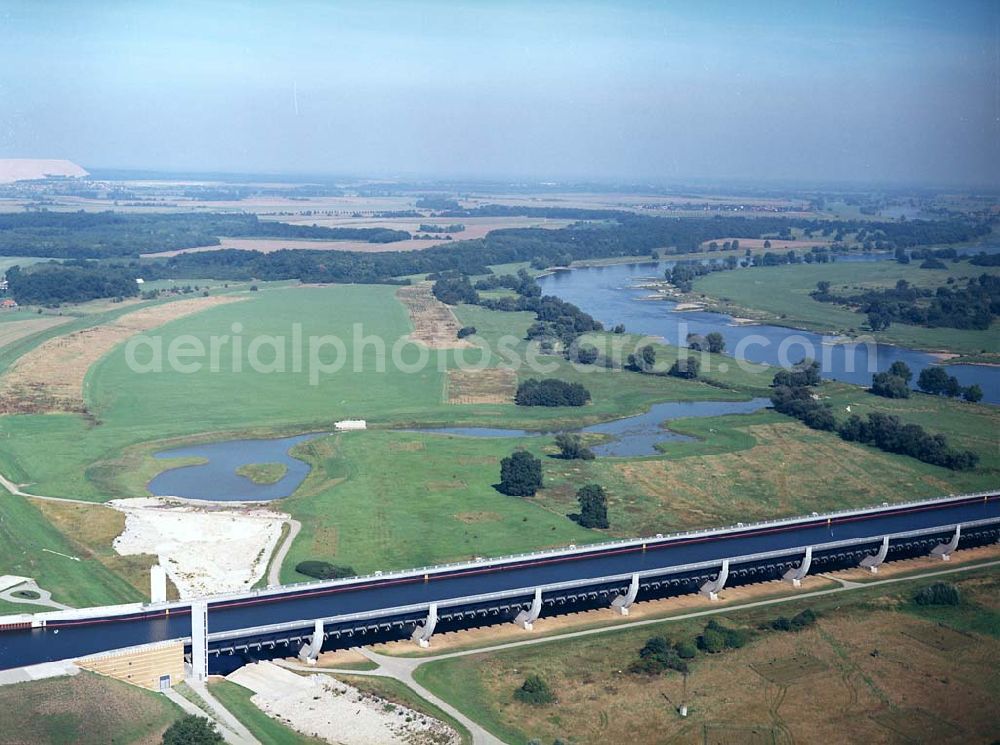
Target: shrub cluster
(324, 570)
(718, 638)
(799, 621)
(660, 655)
(550, 392)
(940, 593)
(534, 691)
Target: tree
(716, 343)
(593, 506)
(534, 691)
(685, 367)
(644, 359)
(466, 331)
(571, 447)
(973, 393)
(192, 730)
(936, 381)
(695, 342)
(879, 320)
(767, 244)
(889, 386)
(520, 475)
(901, 370)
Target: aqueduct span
(223, 631)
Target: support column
(199, 640)
(157, 584)
(309, 652)
(623, 602)
(526, 618)
(712, 589)
(873, 561)
(422, 634)
(944, 550)
(796, 575)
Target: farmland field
(866, 664)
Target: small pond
(632, 436)
(217, 480)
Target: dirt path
(50, 377)
(274, 573)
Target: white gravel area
(321, 706)
(206, 549)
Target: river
(610, 295)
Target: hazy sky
(811, 90)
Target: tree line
(103, 235)
(54, 283)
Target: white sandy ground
(321, 706)
(206, 549)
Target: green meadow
(386, 498)
(781, 295)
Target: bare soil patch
(50, 377)
(434, 325)
(11, 331)
(496, 385)
(477, 517)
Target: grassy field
(30, 546)
(874, 663)
(269, 731)
(781, 295)
(86, 709)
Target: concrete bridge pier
(796, 575)
(199, 640)
(310, 652)
(712, 589)
(526, 618)
(944, 550)
(623, 602)
(422, 634)
(873, 561)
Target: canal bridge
(222, 632)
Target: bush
(685, 367)
(535, 691)
(192, 730)
(804, 619)
(520, 475)
(324, 570)
(466, 331)
(685, 649)
(889, 386)
(571, 447)
(940, 593)
(658, 656)
(717, 638)
(550, 392)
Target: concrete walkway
(223, 715)
(44, 598)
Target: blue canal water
(610, 294)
